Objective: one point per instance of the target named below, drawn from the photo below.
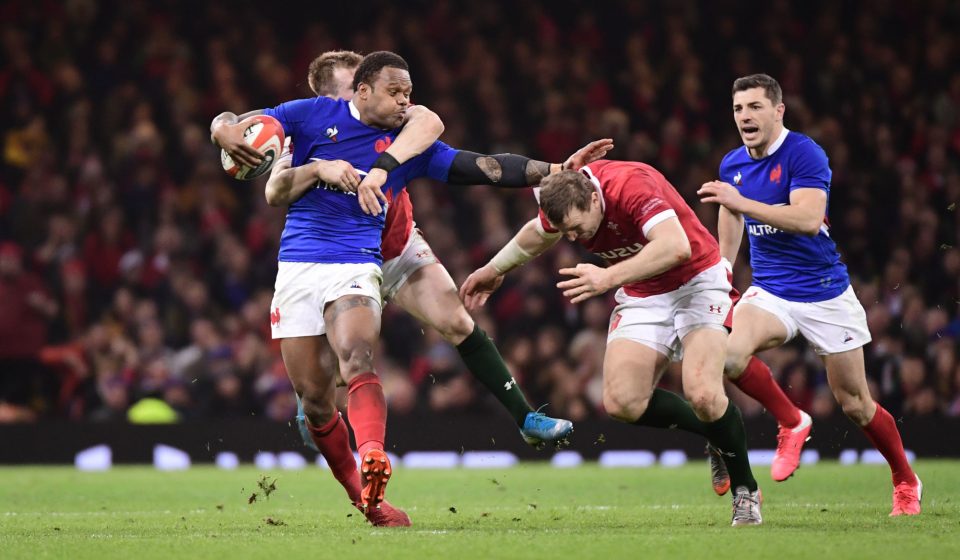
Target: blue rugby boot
(539, 429)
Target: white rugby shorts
(416, 254)
(662, 321)
(831, 326)
(303, 290)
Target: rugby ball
(265, 134)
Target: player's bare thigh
(704, 351)
(353, 328)
(847, 378)
(630, 372)
(314, 384)
(754, 330)
(430, 295)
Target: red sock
(883, 433)
(757, 381)
(333, 441)
(367, 411)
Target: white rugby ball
(265, 134)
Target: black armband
(502, 170)
(386, 162)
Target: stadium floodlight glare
(227, 460)
(166, 458)
(96, 458)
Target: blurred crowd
(135, 276)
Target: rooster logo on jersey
(776, 174)
(737, 178)
(332, 133)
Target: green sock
(669, 410)
(484, 362)
(728, 435)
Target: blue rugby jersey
(326, 225)
(794, 267)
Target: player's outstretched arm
(287, 184)
(804, 215)
(668, 247)
(511, 170)
(227, 133)
(529, 242)
(421, 129)
(729, 234)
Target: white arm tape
(511, 256)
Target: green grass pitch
(530, 511)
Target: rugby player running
(778, 185)
(329, 277)
(413, 278)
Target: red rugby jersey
(636, 197)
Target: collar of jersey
(596, 185)
(776, 144)
(354, 112)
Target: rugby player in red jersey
(673, 301)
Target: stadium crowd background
(132, 267)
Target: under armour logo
(510, 384)
(718, 309)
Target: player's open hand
(478, 287)
(588, 154)
(230, 138)
(723, 194)
(588, 281)
(370, 192)
(338, 173)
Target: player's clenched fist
(588, 281)
(478, 287)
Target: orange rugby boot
(789, 445)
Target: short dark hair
(373, 63)
(770, 86)
(320, 73)
(564, 191)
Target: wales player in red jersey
(673, 299)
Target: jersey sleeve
(643, 200)
(724, 172)
(293, 113)
(809, 168)
(434, 163)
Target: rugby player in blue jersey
(413, 277)
(329, 275)
(778, 185)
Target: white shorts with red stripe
(662, 321)
(416, 255)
